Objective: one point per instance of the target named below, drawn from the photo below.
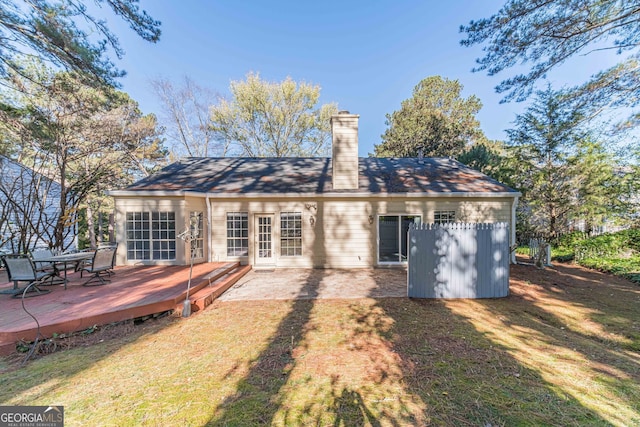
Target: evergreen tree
(88, 140)
(64, 34)
(435, 120)
(598, 188)
(543, 140)
(541, 35)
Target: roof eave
(359, 195)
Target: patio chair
(37, 255)
(81, 265)
(110, 245)
(101, 266)
(20, 268)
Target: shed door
(264, 239)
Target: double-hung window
(291, 234)
(237, 234)
(138, 236)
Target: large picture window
(237, 234)
(392, 237)
(151, 235)
(291, 234)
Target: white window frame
(290, 234)
(444, 216)
(138, 232)
(239, 234)
(399, 216)
(163, 235)
(153, 234)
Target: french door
(264, 239)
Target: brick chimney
(344, 150)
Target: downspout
(208, 202)
(514, 205)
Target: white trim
(400, 215)
(259, 261)
(358, 195)
(209, 233)
(514, 205)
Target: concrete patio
(302, 283)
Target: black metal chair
(101, 265)
(20, 268)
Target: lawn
(563, 349)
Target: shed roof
(272, 176)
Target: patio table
(65, 259)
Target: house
(338, 212)
(29, 209)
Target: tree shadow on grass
(66, 363)
(85, 349)
(464, 378)
(258, 395)
(462, 375)
(350, 410)
(594, 360)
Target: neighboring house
(29, 208)
(341, 212)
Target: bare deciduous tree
(185, 118)
(28, 208)
(273, 119)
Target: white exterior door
(264, 239)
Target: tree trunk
(112, 235)
(100, 237)
(91, 227)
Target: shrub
(608, 245)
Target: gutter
(514, 205)
(185, 193)
(208, 203)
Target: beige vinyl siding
(148, 204)
(341, 235)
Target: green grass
(562, 350)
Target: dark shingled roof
(313, 176)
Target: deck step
(205, 297)
(208, 280)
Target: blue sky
(365, 55)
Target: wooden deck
(133, 292)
